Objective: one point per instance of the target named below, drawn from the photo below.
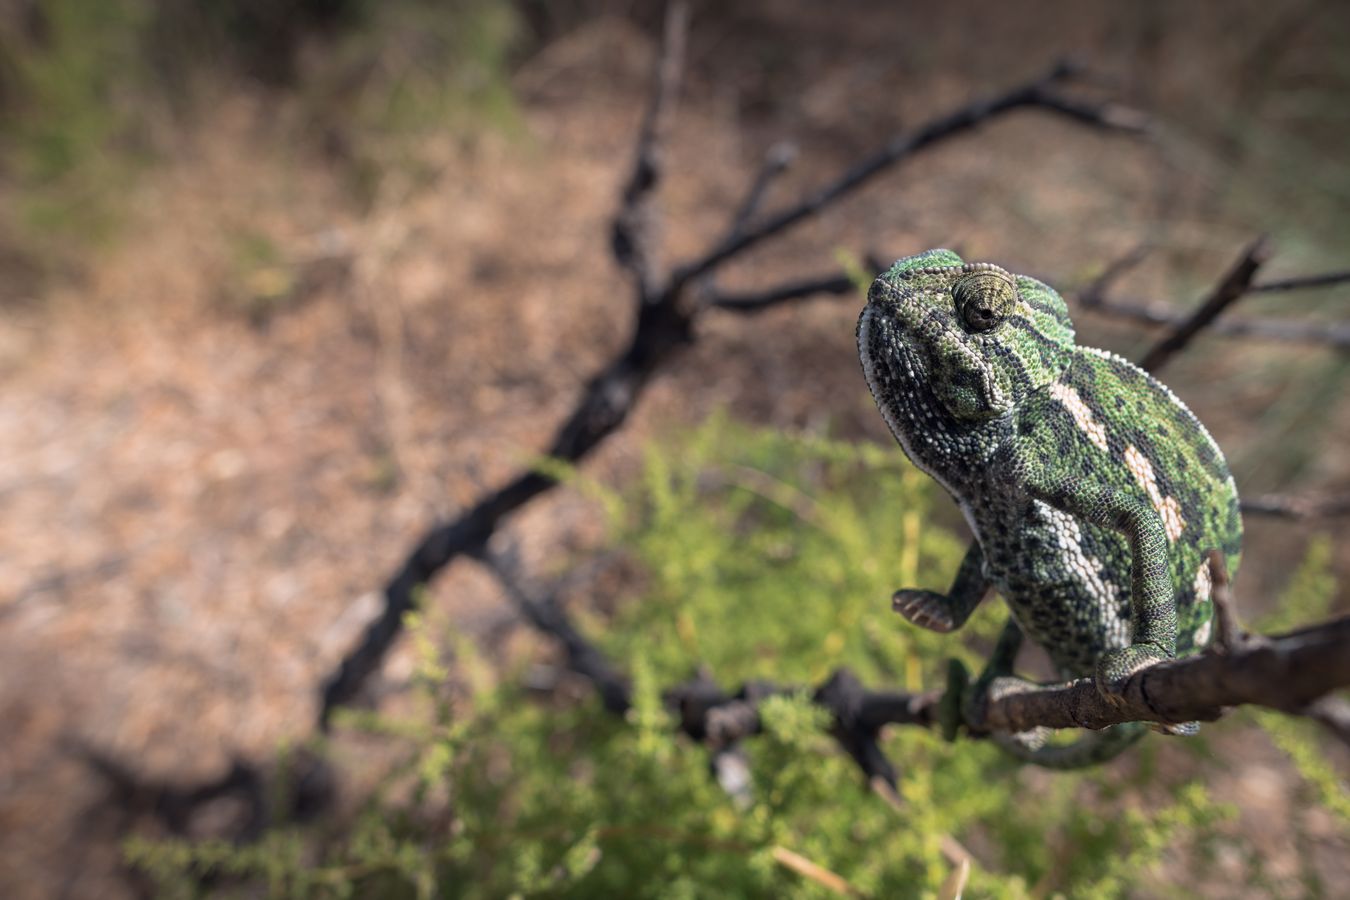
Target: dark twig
(1095, 293)
(1290, 673)
(1233, 286)
(838, 284)
(1285, 506)
(547, 615)
(1040, 92)
(1333, 334)
(777, 161)
(755, 301)
(1337, 334)
(1301, 282)
(634, 230)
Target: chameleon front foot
(925, 609)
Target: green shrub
(765, 556)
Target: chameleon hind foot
(1114, 667)
(925, 609)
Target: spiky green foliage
(765, 556)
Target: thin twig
(634, 230)
(547, 615)
(756, 301)
(1095, 293)
(1333, 334)
(1301, 282)
(1233, 286)
(1038, 92)
(778, 160)
(1337, 334)
(1286, 506)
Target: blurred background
(283, 283)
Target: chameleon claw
(924, 609)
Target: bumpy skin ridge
(1093, 492)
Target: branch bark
(1234, 285)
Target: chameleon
(1094, 494)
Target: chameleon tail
(1094, 747)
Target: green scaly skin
(1094, 494)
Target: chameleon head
(979, 338)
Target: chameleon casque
(1094, 494)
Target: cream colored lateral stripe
(1168, 508)
(1082, 416)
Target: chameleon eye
(984, 300)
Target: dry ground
(198, 511)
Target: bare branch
(1337, 334)
(1300, 282)
(1233, 286)
(547, 615)
(1039, 92)
(1333, 334)
(1095, 293)
(777, 161)
(839, 284)
(1285, 673)
(756, 301)
(1285, 506)
(634, 229)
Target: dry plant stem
(604, 405)
(1235, 284)
(822, 876)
